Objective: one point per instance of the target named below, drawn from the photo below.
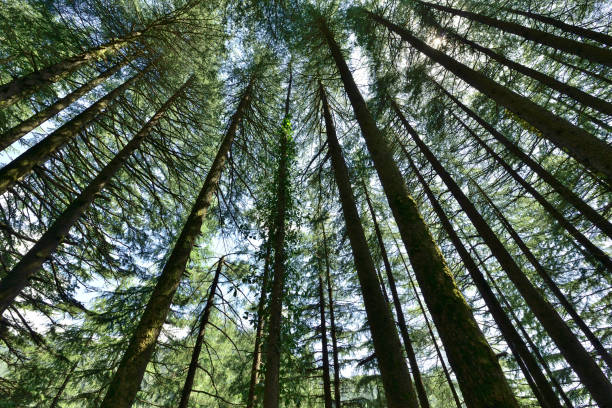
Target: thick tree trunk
(31, 123)
(592, 249)
(273, 343)
(582, 32)
(583, 50)
(42, 151)
(126, 381)
(578, 95)
(545, 275)
(327, 397)
(197, 348)
(387, 347)
(21, 87)
(592, 215)
(574, 352)
(401, 321)
(332, 321)
(584, 147)
(32, 261)
(540, 386)
(251, 398)
(483, 383)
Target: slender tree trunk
(545, 275)
(592, 215)
(482, 384)
(592, 74)
(42, 151)
(517, 322)
(445, 370)
(574, 352)
(273, 344)
(62, 388)
(583, 50)
(592, 249)
(578, 95)
(327, 397)
(584, 147)
(540, 386)
(20, 88)
(197, 348)
(251, 397)
(401, 321)
(26, 126)
(582, 32)
(387, 347)
(332, 321)
(126, 381)
(17, 279)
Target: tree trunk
(17, 279)
(126, 381)
(540, 386)
(583, 50)
(387, 347)
(582, 32)
(26, 126)
(592, 215)
(592, 249)
(482, 384)
(327, 397)
(273, 344)
(332, 322)
(20, 88)
(545, 275)
(581, 361)
(64, 384)
(251, 398)
(197, 348)
(401, 321)
(584, 147)
(42, 151)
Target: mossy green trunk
(17, 279)
(126, 381)
(480, 376)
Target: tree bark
(126, 381)
(574, 352)
(584, 147)
(570, 28)
(540, 386)
(589, 213)
(583, 50)
(327, 397)
(21, 87)
(17, 279)
(387, 347)
(255, 367)
(482, 384)
(273, 344)
(26, 126)
(545, 275)
(197, 348)
(42, 151)
(401, 321)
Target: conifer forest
(305, 203)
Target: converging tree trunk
(26, 126)
(42, 151)
(482, 384)
(327, 397)
(197, 348)
(126, 381)
(17, 279)
(401, 320)
(574, 352)
(387, 347)
(584, 147)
